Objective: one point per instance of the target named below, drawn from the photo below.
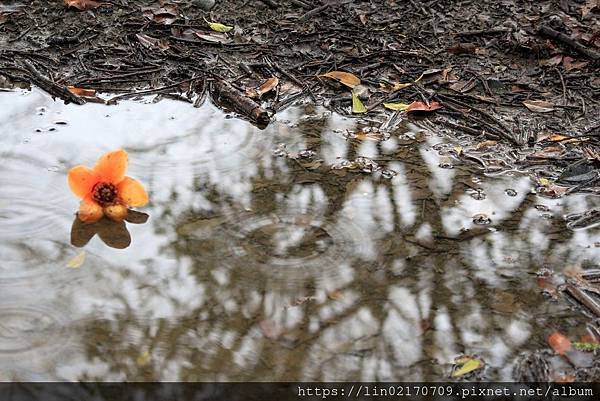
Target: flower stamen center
(104, 193)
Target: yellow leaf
(396, 86)
(396, 106)
(77, 261)
(215, 26)
(357, 105)
(143, 359)
(468, 365)
(458, 150)
(345, 78)
(544, 182)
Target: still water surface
(258, 266)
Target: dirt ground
(489, 54)
(516, 83)
(521, 74)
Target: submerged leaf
(559, 343)
(342, 77)
(396, 106)
(77, 261)
(215, 26)
(586, 346)
(357, 105)
(143, 359)
(469, 364)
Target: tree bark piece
(241, 103)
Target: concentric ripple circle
(292, 247)
(27, 328)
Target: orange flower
(105, 190)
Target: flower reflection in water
(112, 233)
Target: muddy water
(257, 266)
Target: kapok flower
(105, 190)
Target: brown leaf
(571, 64)
(214, 37)
(335, 295)
(485, 145)
(161, 15)
(150, 42)
(82, 5)
(463, 86)
(268, 85)
(559, 343)
(82, 92)
(589, 6)
(420, 106)
(539, 106)
(342, 77)
(551, 151)
(552, 61)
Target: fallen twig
(564, 39)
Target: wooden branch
(566, 40)
(241, 103)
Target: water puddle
(280, 254)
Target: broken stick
(54, 89)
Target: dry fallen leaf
(396, 106)
(559, 343)
(214, 37)
(268, 85)
(589, 6)
(345, 78)
(335, 295)
(468, 363)
(150, 42)
(395, 86)
(486, 145)
(552, 61)
(215, 26)
(420, 106)
(539, 106)
(164, 15)
(82, 5)
(357, 105)
(82, 92)
(571, 64)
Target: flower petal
(132, 192)
(81, 180)
(111, 166)
(90, 211)
(116, 212)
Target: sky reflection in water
(253, 267)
